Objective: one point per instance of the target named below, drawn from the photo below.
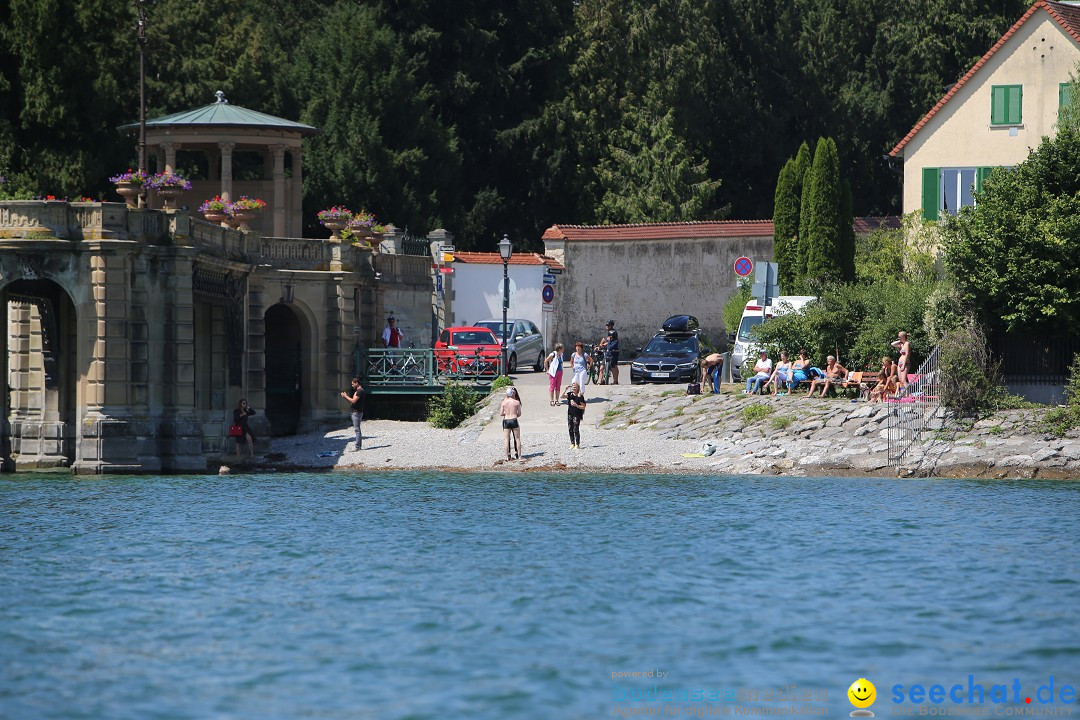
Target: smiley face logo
(862, 694)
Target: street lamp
(505, 251)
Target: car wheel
(539, 366)
(512, 363)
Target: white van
(753, 315)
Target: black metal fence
(411, 245)
(1034, 360)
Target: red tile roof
(1067, 16)
(679, 231)
(662, 231)
(490, 258)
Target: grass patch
(756, 412)
(668, 393)
(781, 422)
(609, 416)
(678, 412)
(996, 430)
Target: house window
(946, 190)
(1005, 104)
(1064, 97)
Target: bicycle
(599, 371)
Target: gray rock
(1015, 461)
(1044, 454)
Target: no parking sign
(744, 266)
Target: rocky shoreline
(658, 429)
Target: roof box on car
(681, 324)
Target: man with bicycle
(611, 351)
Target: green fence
(422, 370)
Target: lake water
(412, 595)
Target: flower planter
(214, 217)
(243, 217)
(168, 196)
(335, 227)
(130, 192)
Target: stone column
(279, 189)
(296, 223)
(170, 156)
(179, 431)
(226, 169)
(108, 439)
(7, 464)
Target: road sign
(744, 266)
(549, 279)
(548, 308)
(438, 283)
(764, 287)
(555, 271)
(548, 293)
(446, 270)
(447, 248)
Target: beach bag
(236, 431)
(693, 389)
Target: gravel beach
(651, 428)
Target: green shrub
(753, 413)
(503, 381)
(734, 306)
(781, 422)
(453, 407)
(1063, 419)
(970, 378)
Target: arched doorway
(284, 369)
(40, 374)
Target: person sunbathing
(834, 373)
(887, 383)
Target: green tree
(1013, 256)
(823, 227)
(846, 230)
(380, 147)
(649, 175)
(786, 226)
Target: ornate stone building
(133, 333)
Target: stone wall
(639, 283)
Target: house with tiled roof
(994, 114)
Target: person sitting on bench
(834, 373)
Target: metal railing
(913, 411)
(411, 245)
(424, 367)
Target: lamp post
(141, 37)
(505, 251)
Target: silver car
(524, 343)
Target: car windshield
(748, 322)
(473, 337)
(496, 327)
(666, 345)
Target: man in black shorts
(611, 351)
(355, 396)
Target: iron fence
(1034, 360)
(914, 410)
(424, 367)
(411, 245)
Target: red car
(469, 350)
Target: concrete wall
(1039, 56)
(639, 283)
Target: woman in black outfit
(240, 417)
(575, 411)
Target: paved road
(536, 414)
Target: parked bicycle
(599, 372)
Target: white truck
(753, 315)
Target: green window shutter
(931, 193)
(980, 177)
(997, 105)
(1016, 105)
(1064, 97)
(1006, 104)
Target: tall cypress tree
(823, 228)
(801, 243)
(786, 225)
(847, 234)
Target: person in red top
(391, 336)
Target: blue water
(410, 595)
